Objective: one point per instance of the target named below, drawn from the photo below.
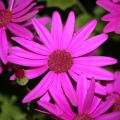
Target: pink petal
(83, 34)
(21, 6)
(48, 106)
(104, 106)
(109, 116)
(61, 101)
(32, 46)
(117, 82)
(89, 96)
(11, 3)
(25, 17)
(26, 62)
(44, 20)
(108, 5)
(90, 45)
(68, 30)
(40, 89)
(81, 91)
(69, 90)
(43, 34)
(56, 30)
(95, 60)
(3, 45)
(99, 89)
(17, 51)
(111, 16)
(96, 101)
(18, 30)
(23, 11)
(2, 6)
(45, 97)
(96, 72)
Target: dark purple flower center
(60, 61)
(5, 17)
(19, 72)
(116, 106)
(83, 117)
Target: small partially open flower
(20, 76)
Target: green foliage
(62, 4)
(82, 19)
(9, 111)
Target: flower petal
(61, 101)
(25, 17)
(17, 51)
(104, 106)
(69, 90)
(82, 35)
(3, 45)
(26, 62)
(56, 29)
(95, 60)
(108, 5)
(89, 96)
(19, 30)
(44, 34)
(32, 46)
(117, 82)
(2, 6)
(81, 91)
(40, 89)
(23, 11)
(68, 30)
(21, 6)
(110, 27)
(96, 72)
(110, 116)
(90, 45)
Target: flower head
(62, 56)
(12, 19)
(89, 106)
(113, 17)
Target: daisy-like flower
(113, 17)
(114, 88)
(12, 18)
(62, 56)
(89, 106)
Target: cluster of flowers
(75, 86)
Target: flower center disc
(60, 61)
(116, 106)
(5, 17)
(83, 117)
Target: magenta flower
(62, 56)
(18, 11)
(89, 106)
(113, 17)
(114, 88)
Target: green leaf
(62, 4)
(9, 111)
